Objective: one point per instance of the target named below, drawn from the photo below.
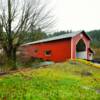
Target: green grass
(63, 81)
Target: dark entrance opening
(81, 50)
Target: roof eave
(44, 42)
(87, 35)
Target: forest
(95, 35)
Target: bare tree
(17, 17)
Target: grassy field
(61, 81)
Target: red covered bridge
(61, 48)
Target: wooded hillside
(95, 35)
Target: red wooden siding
(60, 50)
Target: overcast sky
(77, 14)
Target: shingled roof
(64, 36)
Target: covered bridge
(61, 48)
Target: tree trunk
(11, 58)
(10, 51)
(14, 58)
